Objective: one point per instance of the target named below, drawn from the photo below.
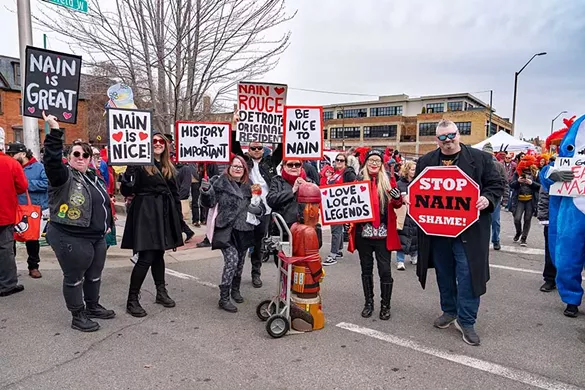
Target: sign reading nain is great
(260, 112)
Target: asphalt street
(526, 341)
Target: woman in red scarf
(378, 237)
(282, 195)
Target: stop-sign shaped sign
(443, 201)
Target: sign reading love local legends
(260, 111)
(130, 137)
(51, 83)
(443, 201)
(203, 142)
(303, 133)
(346, 203)
(576, 187)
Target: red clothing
(13, 182)
(392, 240)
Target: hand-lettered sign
(260, 111)
(443, 201)
(573, 188)
(130, 137)
(51, 84)
(203, 142)
(303, 133)
(346, 203)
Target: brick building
(11, 107)
(408, 124)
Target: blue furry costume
(566, 232)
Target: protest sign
(130, 137)
(51, 84)
(203, 142)
(574, 188)
(303, 133)
(346, 203)
(443, 201)
(260, 111)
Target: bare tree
(173, 52)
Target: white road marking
(181, 275)
(522, 250)
(478, 364)
(528, 271)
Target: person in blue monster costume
(567, 223)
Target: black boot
(82, 323)
(162, 296)
(368, 286)
(385, 303)
(236, 296)
(95, 310)
(224, 299)
(133, 306)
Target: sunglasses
(340, 159)
(77, 154)
(256, 148)
(158, 141)
(444, 137)
(293, 165)
(237, 167)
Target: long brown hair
(245, 177)
(167, 167)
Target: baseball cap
(15, 147)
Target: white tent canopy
(503, 141)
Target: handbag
(27, 226)
(372, 233)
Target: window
(349, 132)
(493, 128)
(455, 106)
(16, 71)
(435, 107)
(327, 115)
(1, 97)
(18, 137)
(386, 111)
(504, 129)
(427, 129)
(355, 113)
(19, 106)
(384, 131)
(464, 127)
(325, 133)
(468, 106)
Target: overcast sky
(424, 47)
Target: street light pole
(552, 123)
(516, 74)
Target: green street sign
(76, 5)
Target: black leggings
(148, 259)
(366, 249)
(523, 209)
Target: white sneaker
(134, 258)
(330, 261)
(413, 260)
(400, 266)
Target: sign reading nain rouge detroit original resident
(260, 112)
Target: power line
(332, 92)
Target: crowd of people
(75, 187)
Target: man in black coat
(462, 263)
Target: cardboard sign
(260, 112)
(346, 203)
(443, 201)
(203, 142)
(576, 187)
(303, 133)
(130, 137)
(51, 83)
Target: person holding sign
(80, 217)
(153, 224)
(283, 190)
(462, 263)
(378, 237)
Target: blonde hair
(383, 183)
(406, 167)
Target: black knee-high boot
(368, 286)
(385, 302)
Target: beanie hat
(374, 152)
(488, 148)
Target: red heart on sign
(363, 188)
(325, 192)
(31, 110)
(279, 90)
(142, 136)
(67, 115)
(118, 136)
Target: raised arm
(55, 169)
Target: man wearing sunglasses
(461, 264)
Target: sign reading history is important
(51, 84)
(573, 188)
(346, 203)
(203, 142)
(260, 112)
(130, 137)
(303, 133)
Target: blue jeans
(496, 223)
(400, 257)
(454, 280)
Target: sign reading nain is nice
(130, 137)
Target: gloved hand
(564, 176)
(395, 193)
(256, 210)
(205, 186)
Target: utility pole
(491, 110)
(30, 126)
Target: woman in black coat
(153, 224)
(408, 234)
(282, 196)
(232, 194)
